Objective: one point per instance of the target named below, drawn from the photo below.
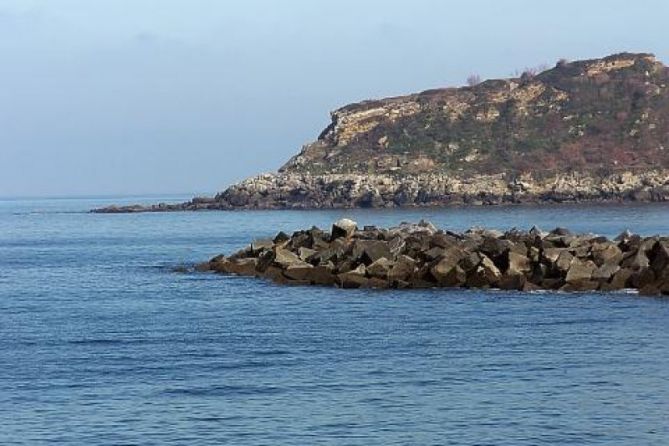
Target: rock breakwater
(422, 256)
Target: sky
(117, 97)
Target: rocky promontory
(422, 256)
(332, 191)
(581, 131)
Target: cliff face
(586, 130)
(589, 115)
(308, 191)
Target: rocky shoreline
(586, 116)
(422, 256)
(336, 191)
(583, 131)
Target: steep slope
(586, 130)
(603, 113)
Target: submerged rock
(420, 255)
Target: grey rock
(285, 258)
(380, 268)
(343, 228)
(421, 256)
(369, 251)
(354, 278)
(518, 264)
(580, 271)
(402, 269)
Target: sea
(102, 342)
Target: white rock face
(344, 228)
(342, 191)
(304, 191)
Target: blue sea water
(101, 343)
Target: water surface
(100, 343)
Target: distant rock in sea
(591, 130)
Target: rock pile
(421, 256)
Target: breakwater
(422, 256)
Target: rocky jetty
(422, 256)
(585, 130)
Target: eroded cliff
(588, 115)
(585, 130)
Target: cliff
(585, 130)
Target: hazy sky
(160, 96)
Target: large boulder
(322, 275)
(511, 281)
(335, 252)
(285, 258)
(265, 259)
(606, 252)
(343, 228)
(659, 254)
(485, 275)
(369, 251)
(421, 228)
(518, 264)
(416, 245)
(241, 267)
(442, 240)
(495, 247)
(302, 272)
(259, 245)
(380, 268)
(455, 277)
(300, 239)
(605, 272)
(433, 254)
(620, 279)
(281, 237)
(275, 274)
(470, 260)
(636, 260)
(354, 278)
(403, 269)
(551, 255)
(305, 253)
(580, 272)
(645, 277)
(441, 271)
(565, 261)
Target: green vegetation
(602, 114)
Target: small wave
(214, 419)
(225, 390)
(582, 321)
(272, 352)
(248, 365)
(104, 341)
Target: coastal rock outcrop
(422, 256)
(585, 130)
(304, 191)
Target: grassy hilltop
(593, 115)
